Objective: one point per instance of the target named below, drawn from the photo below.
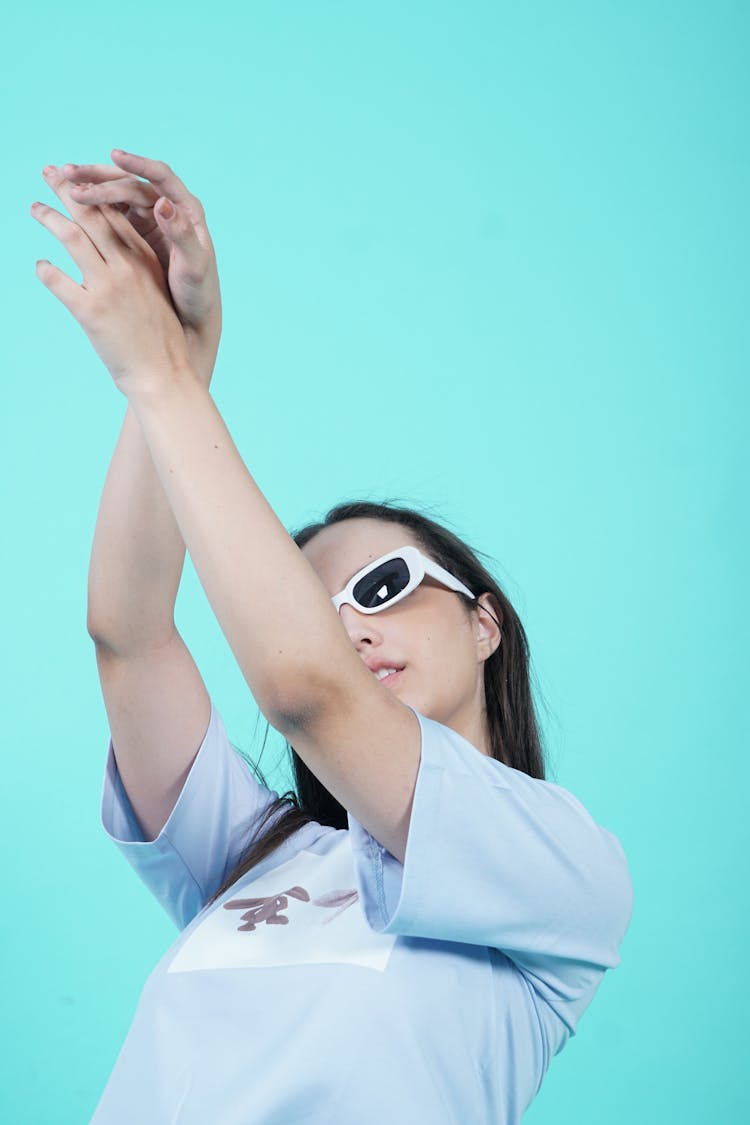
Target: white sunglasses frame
(419, 566)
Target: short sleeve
(211, 822)
(497, 858)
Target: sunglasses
(390, 578)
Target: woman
(422, 935)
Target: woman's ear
(489, 617)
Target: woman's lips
(392, 679)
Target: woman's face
(440, 645)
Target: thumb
(179, 230)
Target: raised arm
(295, 654)
(157, 705)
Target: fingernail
(48, 169)
(166, 209)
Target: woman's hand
(122, 304)
(143, 191)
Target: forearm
(138, 551)
(270, 604)
(137, 554)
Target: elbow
(104, 634)
(97, 626)
(95, 630)
(131, 636)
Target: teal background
(527, 226)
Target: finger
(92, 173)
(125, 229)
(59, 284)
(90, 219)
(62, 188)
(159, 174)
(136, 193)
(76, 241)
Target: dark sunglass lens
(382, 584)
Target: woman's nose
(360, 626)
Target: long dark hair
(511, 716)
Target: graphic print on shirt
(296, 914)
(267, 909)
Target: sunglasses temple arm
(447, 579)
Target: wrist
(157, 387)
(203, 346)
(202, 358)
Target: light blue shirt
(334, 984)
